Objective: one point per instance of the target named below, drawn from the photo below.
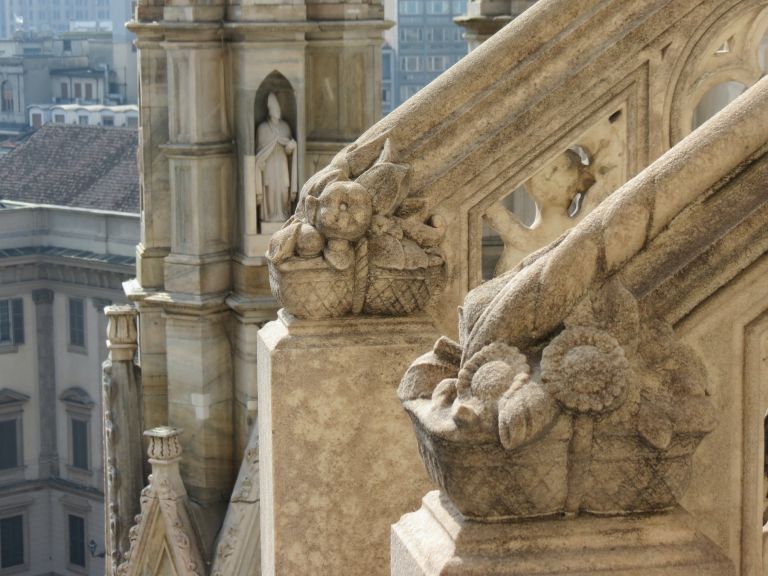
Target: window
(386, 66)
(7, 94)
(78, 405)
(77, 309)
(58, 118)
(9, 444)
(78, 90)
(11, 447)
(410, 63)
(437, 63)
(107, 121)
(67, 45)
(438, 7)
(459, 6)
(386, 96)
(82, 120)
(37, 120)
(89, 91)
(410, 34)
(76, 526)
(11, 322)
(132, 122)
(64, 90)
(410, 7)
(12, 541)
(407, 91)
(79, 443)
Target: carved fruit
(525, 413)
(339, 254)
(491, 380)
(309, 242)
(343, 211)
(445, 393)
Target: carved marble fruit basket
(312, 288)
(489, 483)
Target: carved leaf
(386, 184)
(283, 243)
(424, 375)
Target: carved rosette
(601, 417)
(359, 242)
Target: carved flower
(491, 371)
(343, 211)
(585, 370)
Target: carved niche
(271, 160)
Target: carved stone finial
(164, 444)
(165, 526)
(122, 339)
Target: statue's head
(273, 106)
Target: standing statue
(275, 182)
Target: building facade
(65, 250)
(94, 115)
(428, 43)
(52, 16)
(55, 279)
(75, 68)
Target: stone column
(46, 383)
(155, 187)
(197, 271)
(338, 462)
(343, 85)
(123, 454)
(251, 314)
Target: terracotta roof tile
(76, 166)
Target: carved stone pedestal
(438, 540)
(338, 460)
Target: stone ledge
(437, 540)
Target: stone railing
(395, 224)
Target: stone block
(437, 540)
(192, 275)
(338, 460)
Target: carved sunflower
(585, 370)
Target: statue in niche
(276, 175)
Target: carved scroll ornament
(601, 417)
(359, 241)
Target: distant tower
(206, 70)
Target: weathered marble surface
(338, 463)
(569, 391)
(438, 540)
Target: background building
(69, 223)
(91, 115)
(74, 68)
(50, 15)
(426, 42)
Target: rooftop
(76, 166)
